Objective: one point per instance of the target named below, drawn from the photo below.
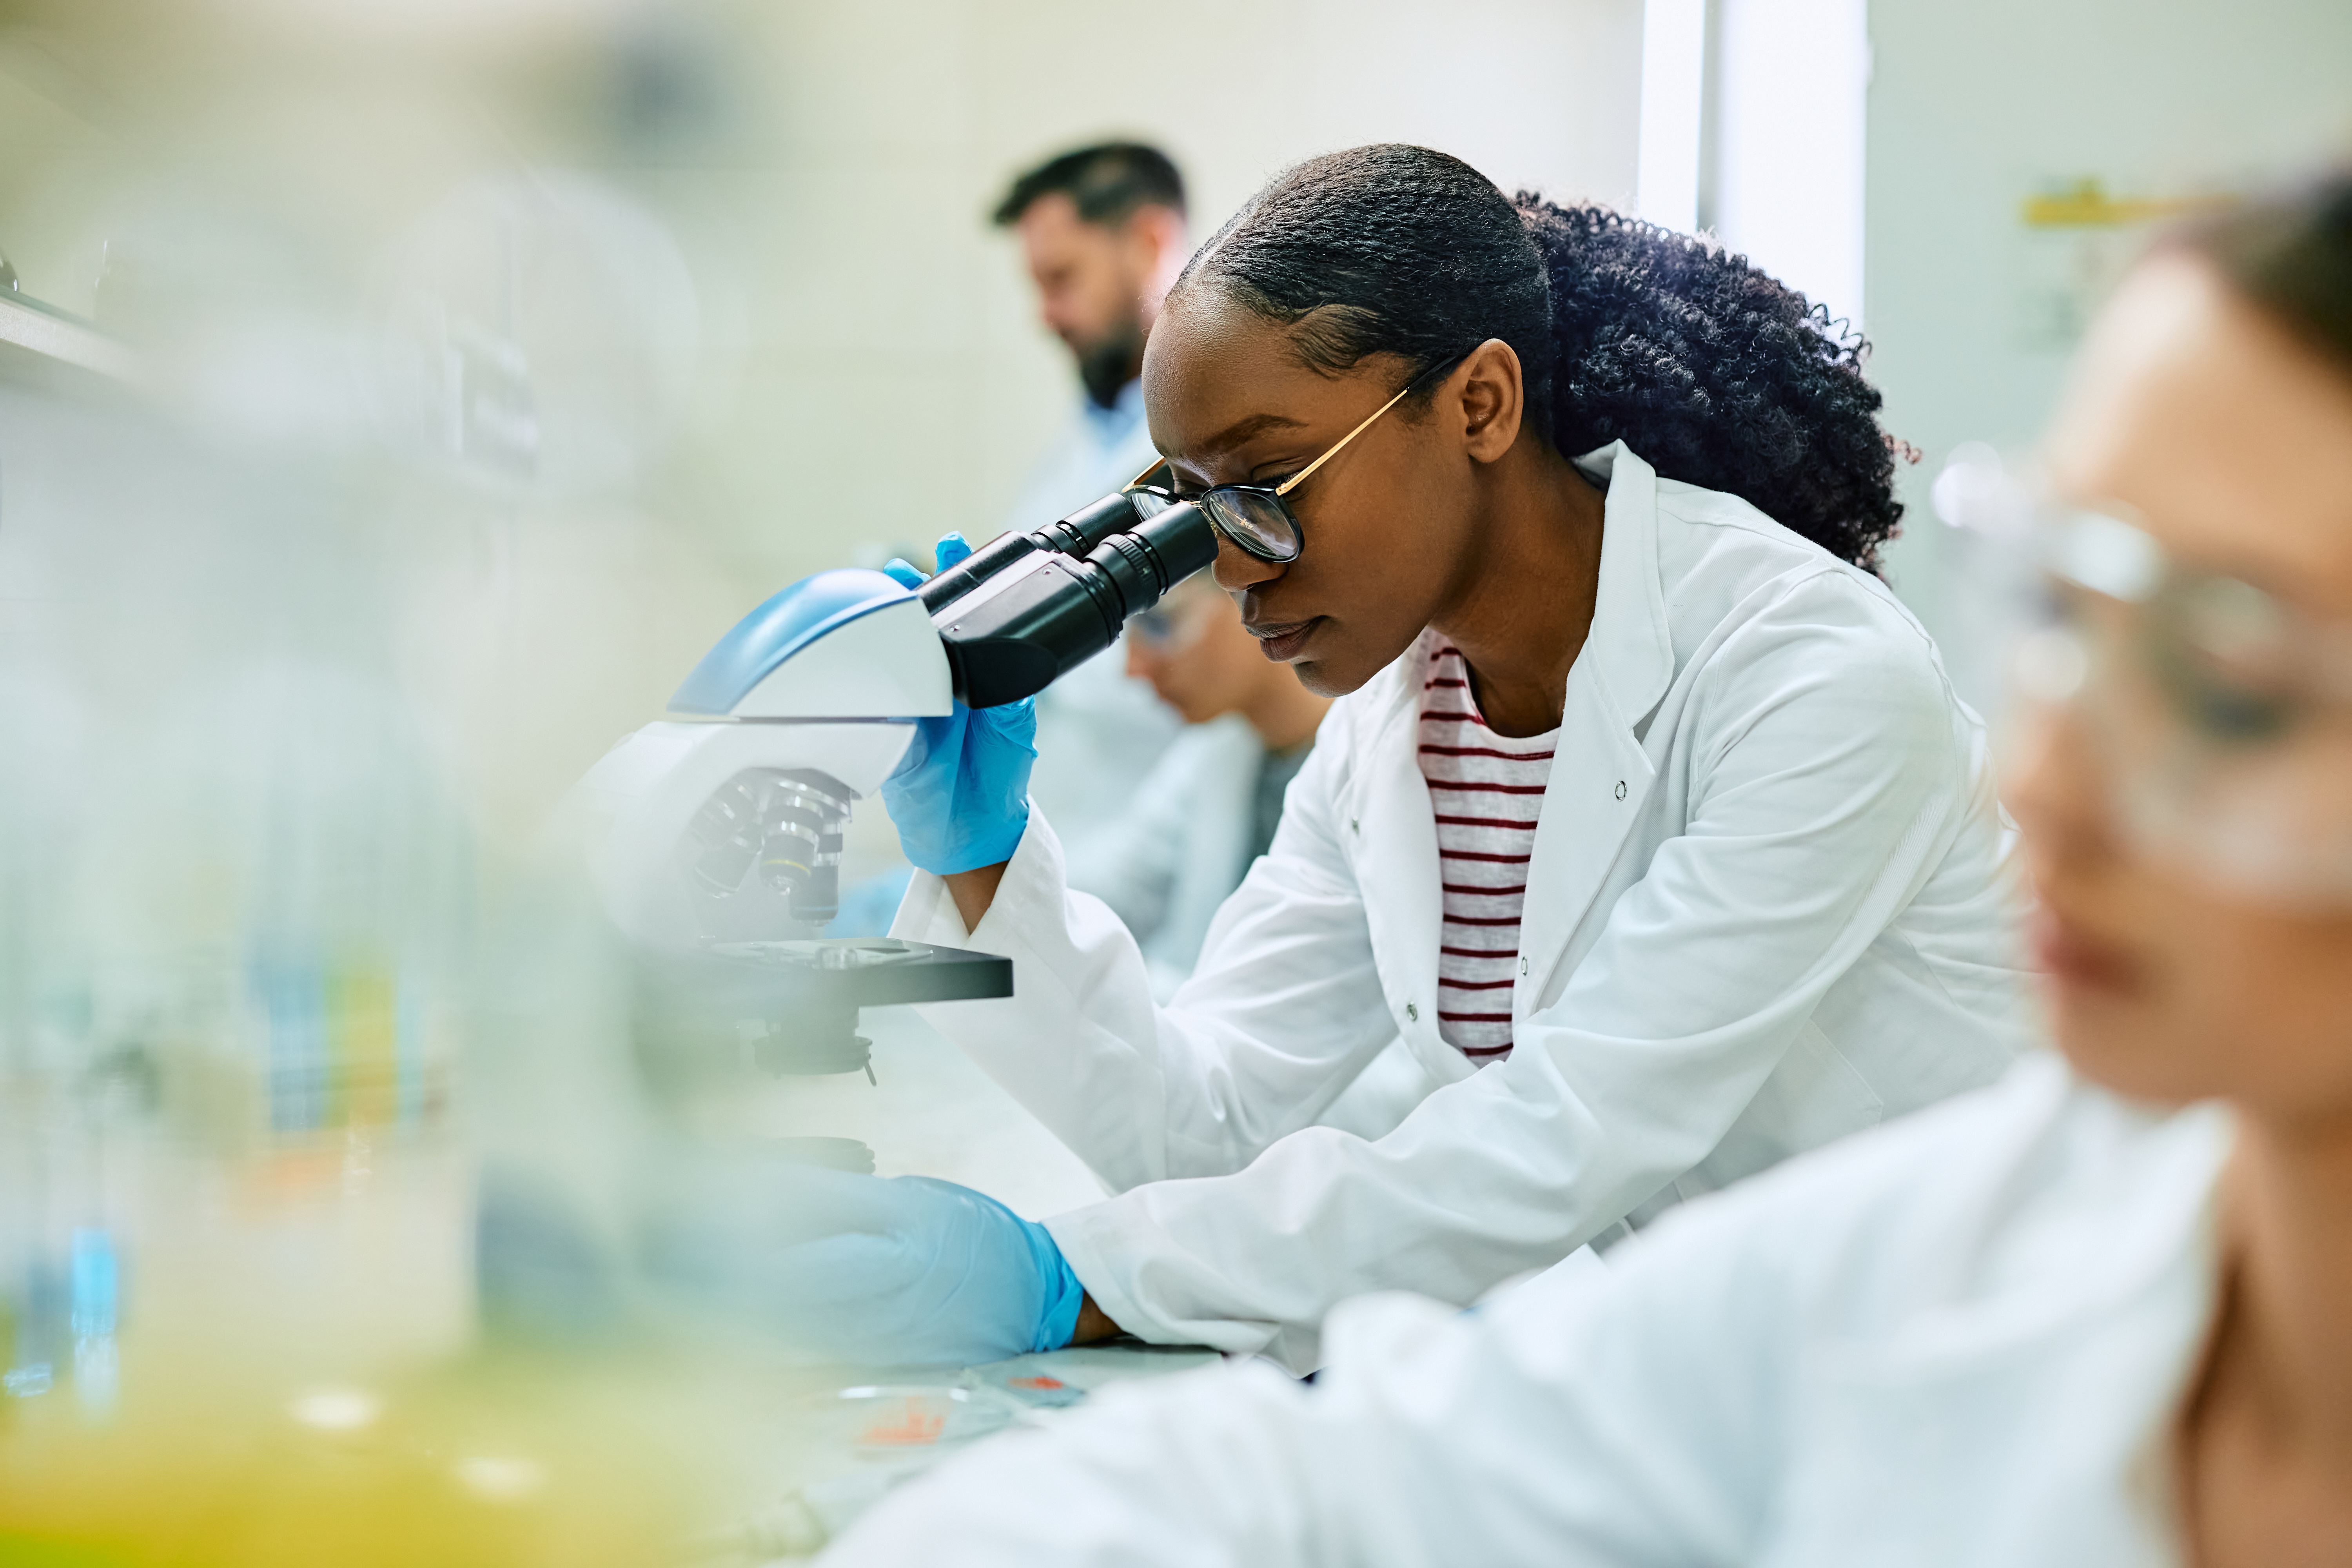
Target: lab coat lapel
(1600, 778)
(1393, 834)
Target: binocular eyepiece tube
(1042, 610)
(1076, 534)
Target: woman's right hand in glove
(960, 797)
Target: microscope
(714, 834)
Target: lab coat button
(1621, 789)
(1523, 966)
(1352, 825)
(1412, 1012)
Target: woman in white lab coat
(1580, 502)
(2055, 1323)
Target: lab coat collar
(1392, 834)
(1600, 778)
(1630, 647)
(1629, 650)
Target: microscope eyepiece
(1047, 613)
(1076, 534)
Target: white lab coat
(1958, 1342)
(1768, 905)
(1167, 860)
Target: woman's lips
(2072, 956)
(1283, 643)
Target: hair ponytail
(1717, 375)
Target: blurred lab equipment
(716, 833)
(537, 334)
(290, 1003)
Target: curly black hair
(1716, 373)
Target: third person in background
(1208, 809)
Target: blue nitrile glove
(960, 797)
(858, 1269)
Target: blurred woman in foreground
(2063, 1321)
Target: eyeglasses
(1257, 519)
(2224, 714)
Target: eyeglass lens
(1258, 522)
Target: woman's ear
(1493, 400)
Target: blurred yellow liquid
(517, 1462)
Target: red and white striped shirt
(1487, 790)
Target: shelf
(37, 343)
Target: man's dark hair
(1107, 184)
(2289, 251)
(1715, 374)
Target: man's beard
(1110, 361)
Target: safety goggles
(1173, 624)
(1257, 519)
(2222, 712)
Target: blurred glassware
(274, 993)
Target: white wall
(1786, 134)
(1674, 110)
(896, 384)
(1974, 109)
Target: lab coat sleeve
(1828, 779)
(1627, 1416)
(1284, 1012)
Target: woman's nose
(1236, 569)
(2055, 787)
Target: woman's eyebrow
(1241, 430)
